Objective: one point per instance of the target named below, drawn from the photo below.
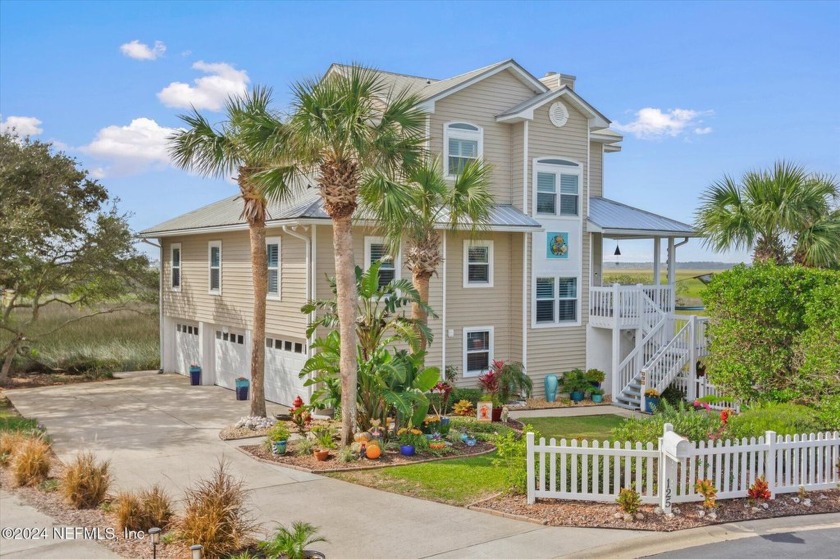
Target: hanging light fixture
(617, 250)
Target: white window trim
(490, 357)
(473, 243)
(279, 295)
(210, 246)
(369, 241)
(172, 266)
(460, 135)
(557, 322)
(558, 169)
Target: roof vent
(558, 114)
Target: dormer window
(463, 142)
(558, 187)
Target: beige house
(527, 289)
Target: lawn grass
(126, 340)
(462, 481)
(591, 427)
(459, 481)
(11, 420)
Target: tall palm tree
(770, 210)
(344, 129)
(416, 209)
(220, 151)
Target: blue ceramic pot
(470, 441)
(550, 383)
(279, 447)
(576, 396)
(407, 449)
(464, 437)
(242, 386)
(597, 398)
(195, 376)
(651, 403)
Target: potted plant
(195, 375)
(324, 443)
(595, 377)
(651, 400)
(576, 384)
(490, 386)
(278, 438)
(597, 395)
(242, 385)
(292, 543)
(410, 439)
(440, 403)
(512, 380)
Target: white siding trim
(279, 295)
(468, 243)
(210, 246)
(443, 332)
(172, 266)
(490, 357)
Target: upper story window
(175, 266)
(558, 187)
(462, 143)
(272, 253)
(215, 266)
(376, 250)
(478, 263)
(556, 300)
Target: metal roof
(308, 206)
(616, 219)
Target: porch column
(672, 261)
(657, 257)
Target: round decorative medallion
(559, 114)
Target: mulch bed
(52, 504)
(236, 433)
(602, 515)
(332, 464)
(539, 404)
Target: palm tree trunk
(345, 283)
(259, 272)
(418, 313)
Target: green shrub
(629, 500)
(471, 394)
(828, 413)
(765, 331)
(784, 419)
(511, 454)
(697, 425)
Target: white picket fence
(593, 471)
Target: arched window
(558, 187)
(462, 143)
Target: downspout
(525, 247)
(160, 300)
(307, 244)
(443, 332)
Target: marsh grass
(126, 340)
(86, 481)
(31, 462)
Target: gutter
(160, 298)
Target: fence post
(529, 445)
(770, 465)
(692, 357)
(667, 472)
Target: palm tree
(415, 209)
(343, 130)
(220, 151)
(768, 210)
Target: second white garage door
(231, 358)
(284, 359)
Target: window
(284, 345)
(215, 263)
(478, 350)
(462, 143)
(175, 261)
(377, 251)
(478, 263)
(272, 253)
(557, 178)
(555, 300)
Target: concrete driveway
(157, 428)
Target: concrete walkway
(157, 428)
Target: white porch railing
(621, 304)
(597, 472)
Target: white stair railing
(669, 361)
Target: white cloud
(21, 125)
(141, 51)
(651, 123)
(209, 92)
(130, 149)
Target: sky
(699, 89)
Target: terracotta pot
(321, 455)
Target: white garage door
(231, 358)
(186, 347)
(284, 359)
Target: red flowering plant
(759, 490)
(442, 390)
(490, 386)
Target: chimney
(555, 80)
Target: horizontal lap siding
(234, 307)
(479, 104)
(596, 162)
(554, 350)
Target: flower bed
(607, 515)
(540, 404)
